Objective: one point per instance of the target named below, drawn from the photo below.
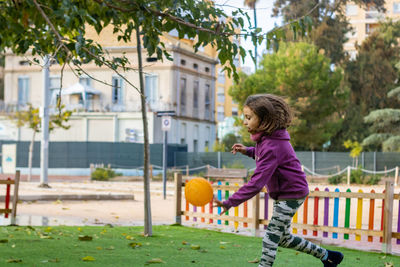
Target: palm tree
(252, 4)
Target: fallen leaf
(65, 208)
(184, 243)
(48, 229)
(85, 238)
(46, 237)
(110, 248)
(195, 247)
(130, 237)
(155, 260)
(135, 245)
(99, 248)
(389, 264)
(223, 243)
(256, 260)
(222, 247)
(88, 258)
(51, 260)
(14, 260)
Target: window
(351, 10)
(183, 96)
(116, 94)
(196, 94)
(183, 62)
(221, 76)
(221, 94)
(234, 111)
(24, 63)
(220, 113)
(85, 80)
(23, 90)
(207, 102)
(195, 139)
(369, 28)
(207, 69)
(183, 133)
(151, 89)
(195, 66)
(396, 7)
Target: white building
(111, 112)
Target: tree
(57, 28)
(384, 126)
(355, 150)
(32, 120)
(299, 72)
(329, 20)
(370, 77)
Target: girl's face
(251, 120)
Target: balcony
(374, 15)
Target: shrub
(103, 174)
(357, 176)
(337, 179)
(373, 180)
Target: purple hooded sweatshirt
(277, 168)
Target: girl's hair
(274, 113)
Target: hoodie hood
(281, 134)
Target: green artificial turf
(169, 246)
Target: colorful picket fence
(340, 213)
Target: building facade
(107, 107)
(365, 20)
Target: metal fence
(324, 163)
(130, 156)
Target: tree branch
(61, 39)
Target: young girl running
(278, 169)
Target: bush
(170, 176)
(337, 179)
(373, 180)
(357, 176)
(103, 174)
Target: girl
(277, 167)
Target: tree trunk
(30, 156)
(147, 206)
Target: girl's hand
(219, 204)
(239, 148)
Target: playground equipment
(7, 209)
(326, 219)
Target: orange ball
(198, 192)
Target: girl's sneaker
(334, 258)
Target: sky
(264, 21)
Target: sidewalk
(82, 188)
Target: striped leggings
(278, 233)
